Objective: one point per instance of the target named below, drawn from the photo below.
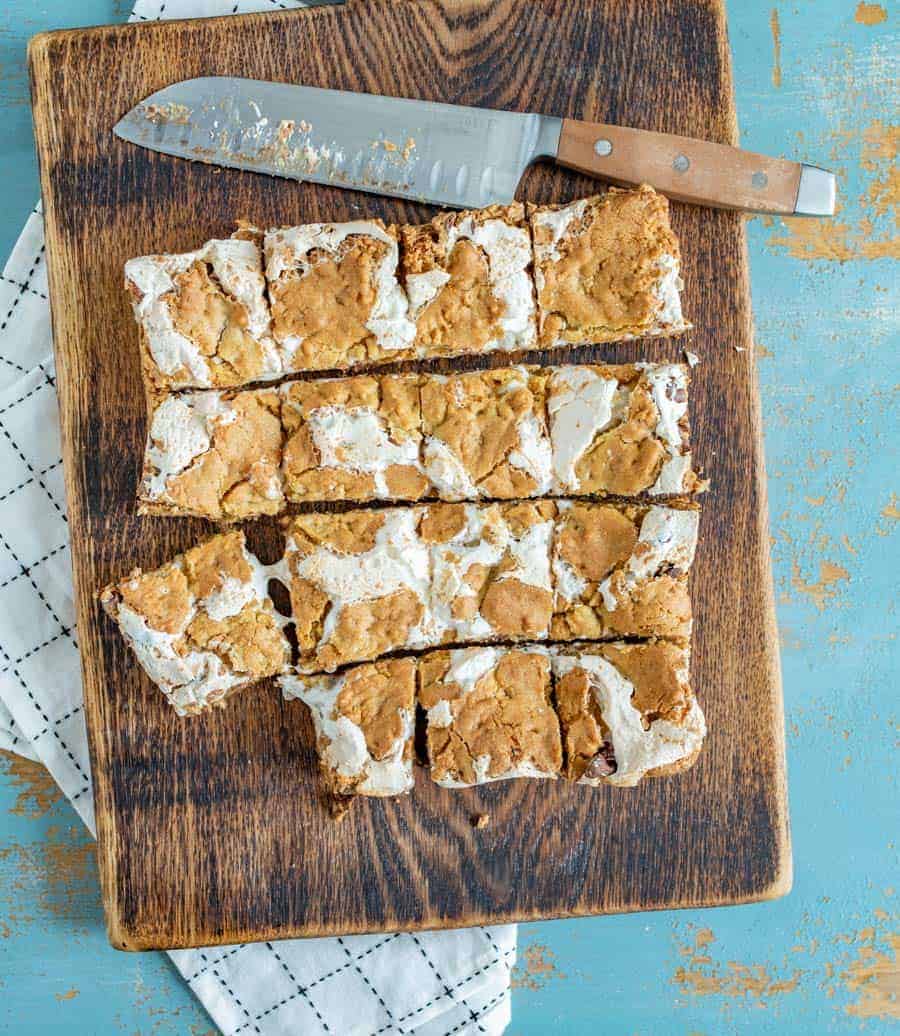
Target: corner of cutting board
(782, 879)
(42, 54)
(120, 936)
(38, 48)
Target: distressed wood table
(813, 81)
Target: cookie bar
(353, 439)
(468, 280)
(365, 583)
(490, 715)
(622, 570)
(626, 711)
(203, 316)
(336, 300)
(359, 585)
(203, 625)
(484, 434)
(364, 720)
(214, 455)
(606, 268)
(333, 296)
(507, 433)
(490, 570)
(620, 430)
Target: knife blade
(441, 153)
(447, 154)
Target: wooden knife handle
(696, 170)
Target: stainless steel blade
(441, 153)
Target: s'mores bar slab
(214, 455)
(490, 570)
(336, 299)
(484, 434)
(622, 570)
(490, 715)
(626, 710)
(468, 280)
(203, 315)
(364, 720)
(621, 430)
(606, 268)
(353, 439)
(203, 625)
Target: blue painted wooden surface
(813, 79)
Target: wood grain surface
(210, 829)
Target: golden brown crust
(464, 315)
(517, 610)
(309, 606)
(391, 400)
(239, 476)
(325, 304)
(405, 482)
(328, 307)
(361, 629)
(440, 573)
(441, 522)
(653, 669)
(301, 398)
(217, 324)
(656, 670)
(210, 564)
(352, 532)
(367, 629)
(249, 642)
(626, 459)
(600, 286)
(374, 696)
(524, 515)
(503, 726)
(584, 732)
(479, 418)
(469, 573)
(661, 608)
(594, 541)
(388, 438)
(485, 569)
(626, 454)
(162, 597)
(376, 702)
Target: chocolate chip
(604, 762)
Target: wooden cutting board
(210, 829)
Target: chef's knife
(448, 154)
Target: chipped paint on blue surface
(826, 307)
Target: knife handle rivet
(759, 180)
(603, 147)
(681, 164)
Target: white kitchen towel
(429, 983)
(11, 738)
